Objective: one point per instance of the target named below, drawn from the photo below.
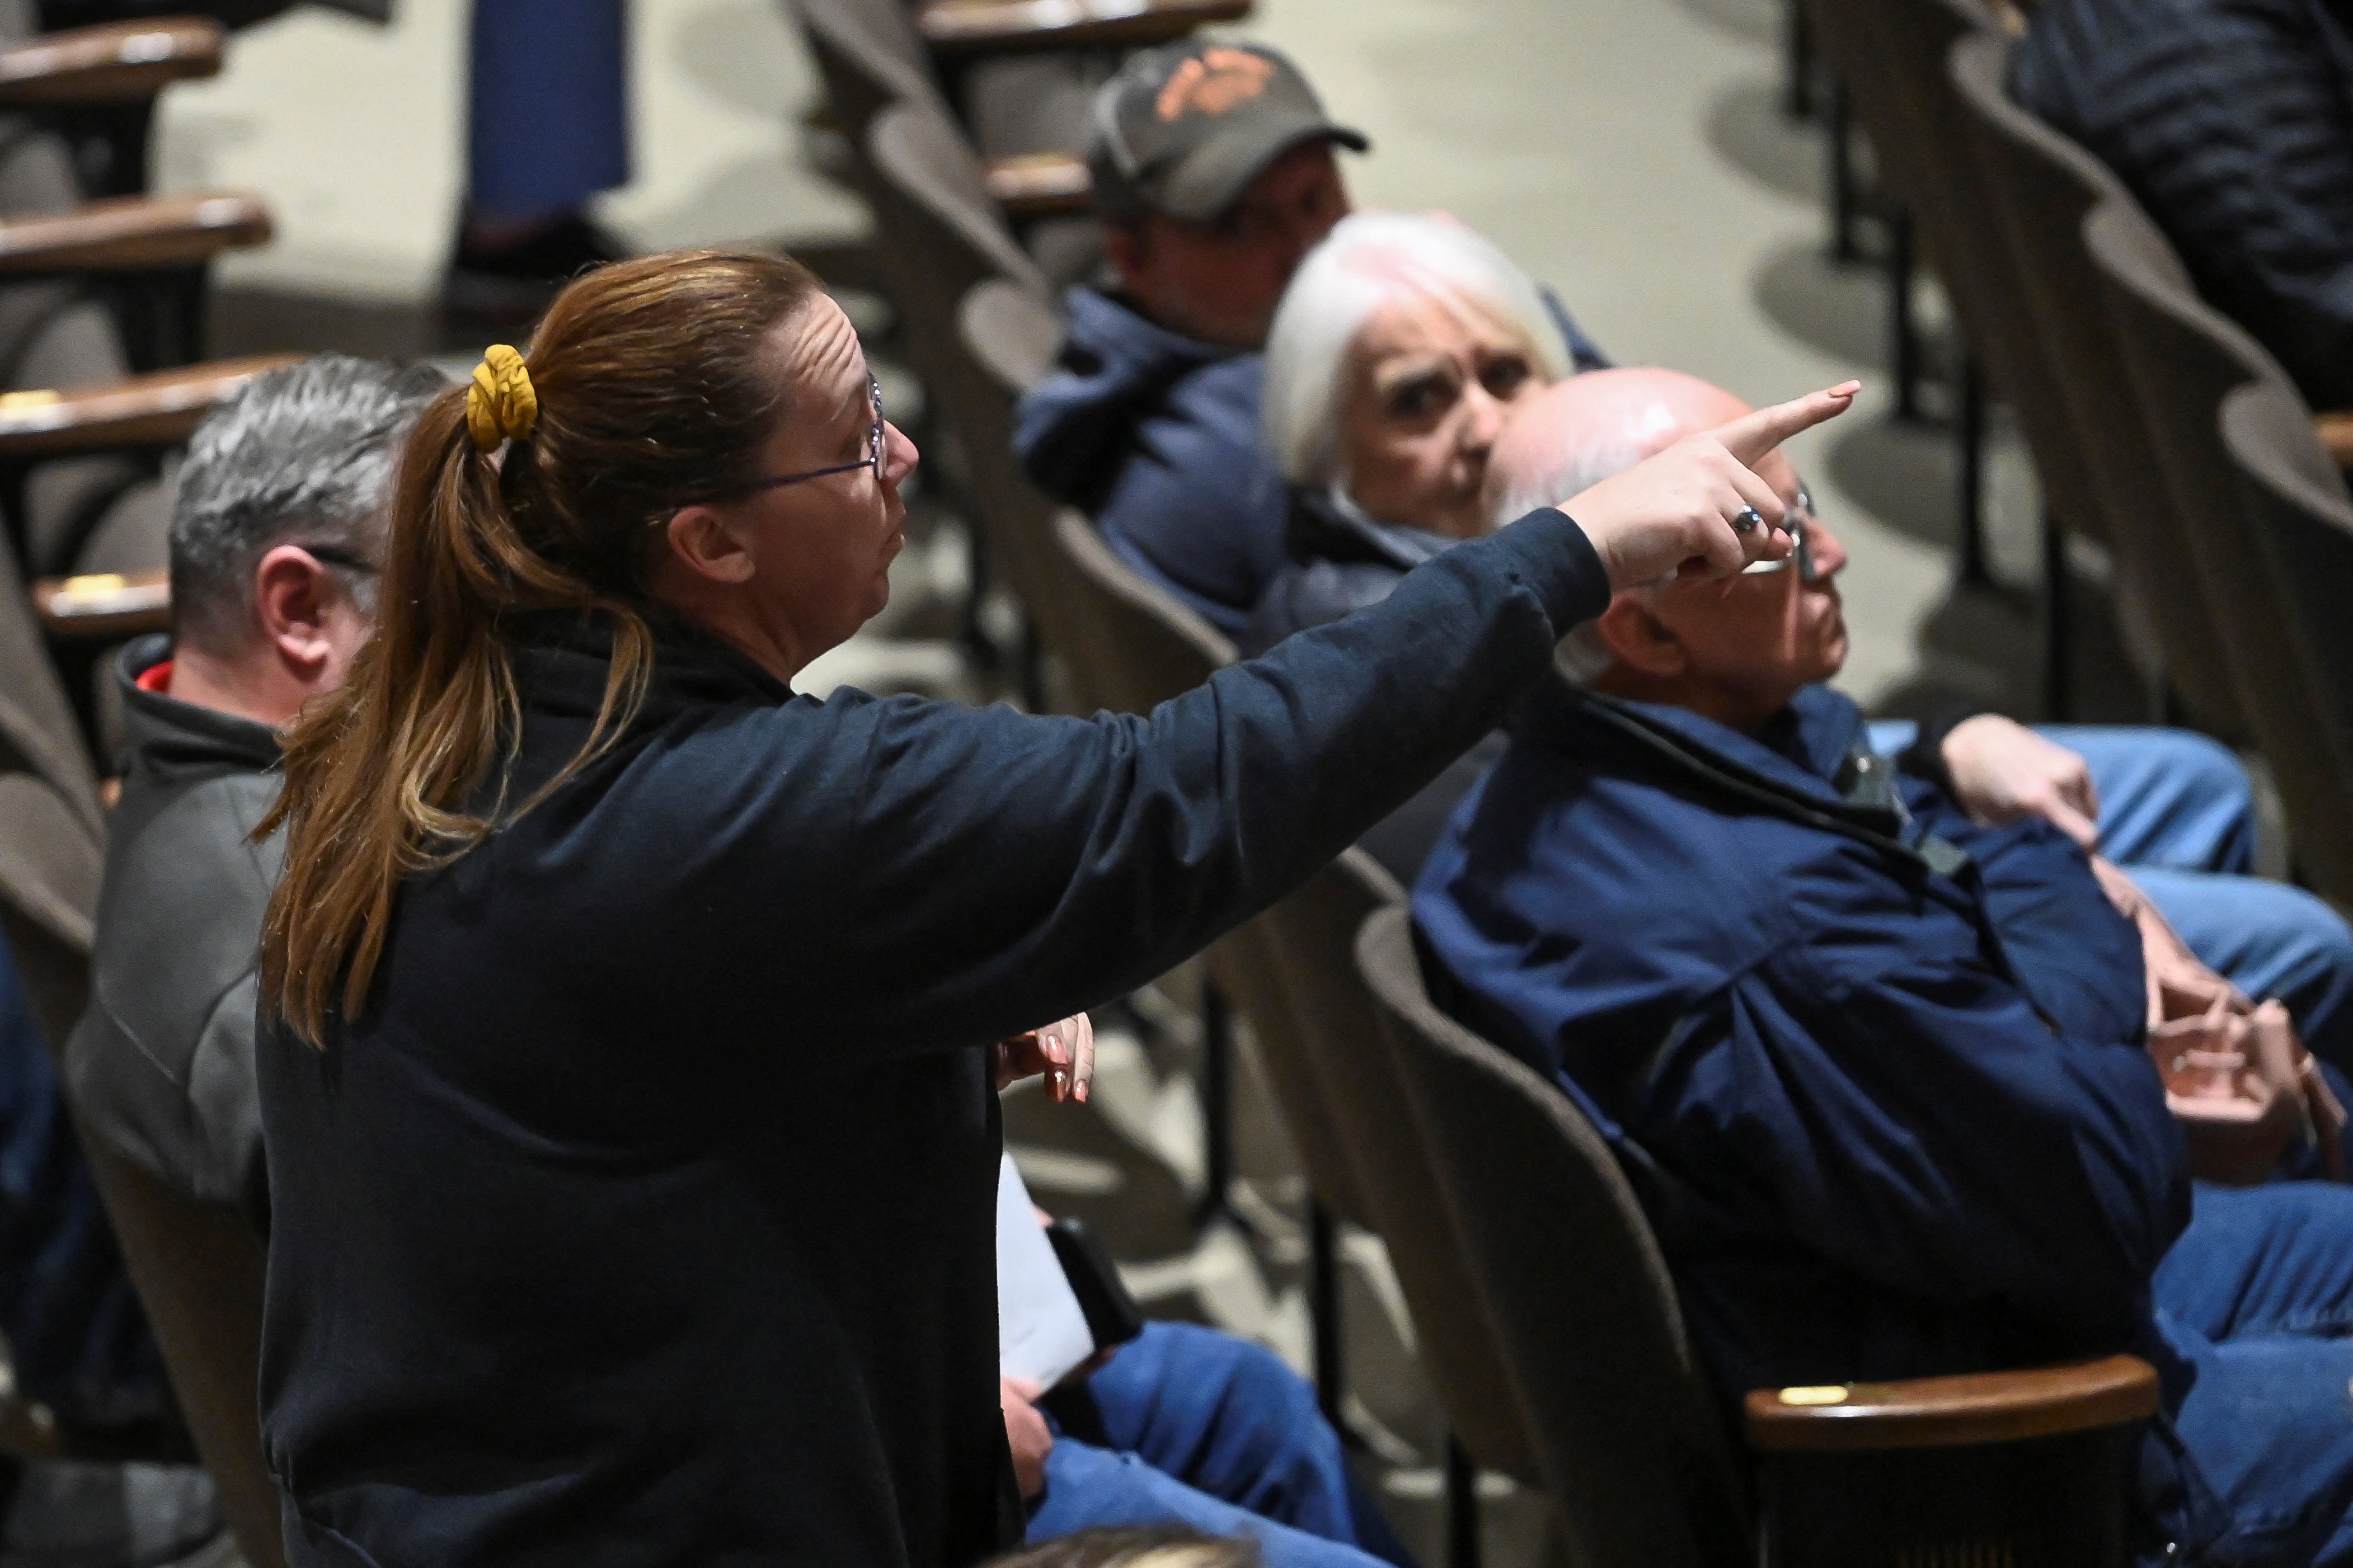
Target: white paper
(1040, 1332)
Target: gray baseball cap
(1184, 128)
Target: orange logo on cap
(1212, 82)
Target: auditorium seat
(97, 86)
(2018, 1467)
(2182, 357)
(2042, 185)
(2301, 517)
(1009, 336)
(1383, 1184)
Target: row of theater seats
(1544, 1315)
(102, 376)
(2160, 431)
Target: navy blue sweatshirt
(645, 1214)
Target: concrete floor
(1630, 152)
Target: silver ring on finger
(1746, 518)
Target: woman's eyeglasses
(1801, 555)
(874, 458)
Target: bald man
(1876, 1035)
(2175, 808)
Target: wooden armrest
(1004, 26)
(2334, 430)
(1041, 184)
(112, 63)
(105, 606)
(1944, 1412)
(132, 234)
(155, 410)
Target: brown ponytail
(657, 385)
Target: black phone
(1112, 1317)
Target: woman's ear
(1639, 639)
(701, 541)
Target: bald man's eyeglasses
(1801, 556)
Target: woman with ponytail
(631, 1025)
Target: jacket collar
(184, 735)
(1811, 764)
(562, 660)
(1804, 751)
(1326, 525)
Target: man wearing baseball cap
(1214, 176)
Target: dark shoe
(65, 1513)
(501, 285)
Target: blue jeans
(2252, 1463)
(2176, 812)
(1188, 1426)
(550, 122)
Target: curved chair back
(868, 56)
(1146, 646)
(199, 1269)
(1009, 336)
(1346, 1087)
(50, 861)
(2042, 185)
(2184, 357)
(37, 732)
(1900, 78)
(1584, 1313)
(939, 234)
(1363, 1098)
(2301, 520)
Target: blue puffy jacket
(1878, 1072)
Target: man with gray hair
(1872, 1035)
(276, 540)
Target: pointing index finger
(1751, 435)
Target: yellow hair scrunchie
(501, 406)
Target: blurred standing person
(547, 130)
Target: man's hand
(1064, 1052)
(1672, 514)
(2180, 985)
(2002, 770)
(1026, 1432)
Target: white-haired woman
(1402, 347)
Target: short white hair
(1369, 261)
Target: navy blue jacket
(645, 1214)
(1341, 561)
(1156, 436)
(2232, 121)
(1889, 1107)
